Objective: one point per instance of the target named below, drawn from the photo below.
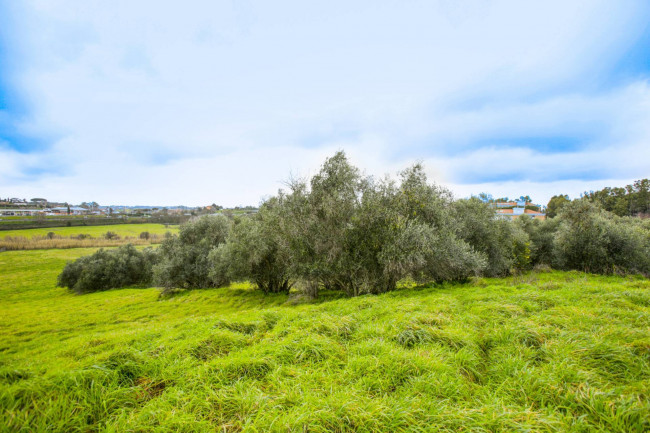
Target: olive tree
(255, 252)
(506, 245)
(317, 218)
(541, 234)
(184, 261)
(348, 232)
(423, 244)
(593, 240)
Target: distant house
(519, 211)
(23, 212)
(518, 203)
(63, 210)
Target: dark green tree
(108, 269)
(555, 204)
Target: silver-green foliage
(108, 269)
(346, 231)
(254, 251)
(504, 244)
(541, 234)
(593, 240)
(184, 261)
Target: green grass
(132, 230)
(564, 352)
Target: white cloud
(218, 101)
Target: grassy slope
(132, 230)
(546, 352)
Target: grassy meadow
(83, 236)
(542, 352)
(123, 230)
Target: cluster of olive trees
(341, 230)
(344, 231)
(593, 240)
(587, 238)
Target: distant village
(504, 208)
(45, 208)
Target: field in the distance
(541, 352)
(84, 236)
(123, 230)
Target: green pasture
(543, 352)
(123, 230)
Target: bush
(111, 235)
(108, 269)
(254, 252)
(504, 244)
(184, 259)
(541, 234)
(592, 240)
(144, 235)
(409, 228)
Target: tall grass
(542, 352)
(98, 231)
(85, 237)
(12, 243)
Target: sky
(200, 102)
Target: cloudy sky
(194, 102)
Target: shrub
(111, 235)
(593, 240)
(404, 230)
(541, 234)
(184, 259)
(503, 243)
(108, 269)
(144, 235)
(254, 252)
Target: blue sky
(219, 101)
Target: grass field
(123, 230)
(93, 236)
(564, 352)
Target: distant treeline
(631, 200)
(352, 233)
